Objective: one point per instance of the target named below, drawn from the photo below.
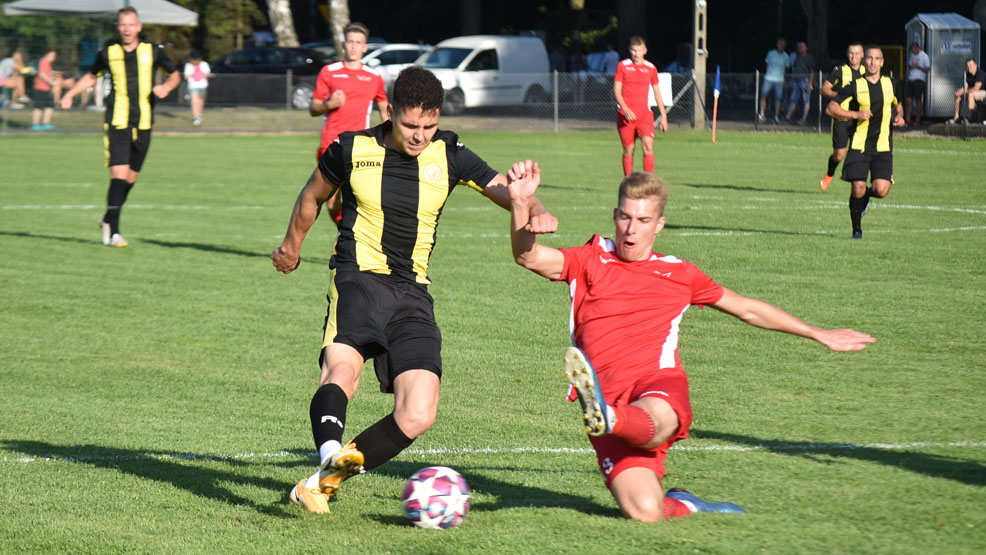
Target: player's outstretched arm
(540, 220)
(523, 179)
(767, 316)
(82, 84)
(164, 89)
(306, 209)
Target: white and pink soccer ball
(436, 497)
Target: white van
(490, 70)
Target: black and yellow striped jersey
(843, 75)
(131, 100)
(872, 135)
(391, 202)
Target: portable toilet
(949, 39)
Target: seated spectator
(973, 91)
(12, 80)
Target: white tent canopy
(150, 11)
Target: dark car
(258, 75)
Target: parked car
(327, 48)
(257, 76)
(489, 70)
(389, 59)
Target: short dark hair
(853, 43)
(416, 87)
(355, 27)
(637, 40)
(872, 46)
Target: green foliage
(155, 398)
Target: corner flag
(715, 105)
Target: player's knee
(644, 508)
(415, 421)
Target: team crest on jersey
(145, 59)
(364, 77)
(432, 173)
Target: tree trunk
(281, 22)
(631, 16)
(338, 19)
(470, 11)
(817, 12)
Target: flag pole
(715, 105)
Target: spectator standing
(197, 73)
(634, 78)
(44, 103)
(611, 59)
(778, 62)
(916, 86)
(974, 90)
(802, 81)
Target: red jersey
(636, 79)
(362, 86)
(626, 315)
(44, 68)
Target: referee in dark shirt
(873, 105)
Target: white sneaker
(118, 241)
(106, 231)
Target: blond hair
(639, 185)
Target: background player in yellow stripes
(873, 105)
(841, 76)
(394, 180)
(129, 110)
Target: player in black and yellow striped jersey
(394, 180)
(874, 107)
(838, 78)
(130, 64)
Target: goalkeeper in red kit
(627, 306)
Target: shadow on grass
(748, 188)
(177, 469)
(935, 466)
(506, 494)
(66, 239)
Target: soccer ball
(436, 497)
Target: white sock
(327, 449)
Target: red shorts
(615, 455)
(643, 126)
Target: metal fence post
(756, 99)
(555, 102)
(821, 100)
(287, 102)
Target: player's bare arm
(769, 317)
(164, 89)
(306, 210)
(660, 108)
(618, 93)
(523, 179)
(82, 84)
(828, 89)
(540, 220)
(321, 106)
(836, 111)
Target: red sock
(627, 164)
(649, 163)
(675, 509)
(633, 425)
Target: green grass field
(155, 398)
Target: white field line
(793, 447)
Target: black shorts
(42, 99)
(127, 146)
(914, 89)
(840, 133)
(386, 318)
(859, 165)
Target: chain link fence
(279, 103)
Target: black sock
(126, 191)
(114, 202)
(833, 163)
(856, 207)
(328, 414)
(381, 442)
